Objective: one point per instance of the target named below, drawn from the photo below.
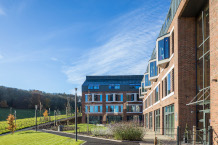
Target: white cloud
(127, 52)
(2, 12)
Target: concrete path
(91, 140)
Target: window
(146, 118)
(114, 97)
(97, 97)
(153, 69)
(88, 98)
(157, 94)
(169, 120)
(157, 120)
(132, 97)
(163, 48)
(114, 108)
(90, 87)
(150, 120)
(114, 86)
(118, 97)
(109, 97)
(147, 82)
(169, 83)
(133, 108)
(134, 86)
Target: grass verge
(37, 138)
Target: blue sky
(51, 45)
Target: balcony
(153, 70)
(163, 50)
(147, 83)
(141, 96)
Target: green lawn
(27, 122)
(37, 138)
(83, 127)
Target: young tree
(45, 114)
(11, 124)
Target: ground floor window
(157, 120)
(95, 119)
(134, 118)
(150, 120)
(146, 119)
(114, 119)
(169, 120)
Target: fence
(30, 122)
(177, 136)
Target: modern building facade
(111, 98)
(183, 70)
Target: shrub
(127, 131)
(101, 132)
(45, 114)
(11, 124)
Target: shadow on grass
(29, 132)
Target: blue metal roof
(106, 80)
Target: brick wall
(186, 71)
(104, 103)
(213, 8)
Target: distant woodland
(27, 99)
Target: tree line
(27, 99)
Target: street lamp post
(76, 112)
(36, 115)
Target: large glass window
(150, 120)
(203, 50)
(118, 97)
(157, 94)
(94, 108)
(163, 48)
(157, 120)
(147, 82)
(114, 108)
(169, 120)
(133, 108)
(109, 97)
(114, 119)
(153, 69)
(146, 119)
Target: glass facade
(203, 50)
(147, 82)
(153, 69)
(169, 120)
(163, 49)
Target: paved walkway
(91, 140)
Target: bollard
(155, 141)
(194, 135)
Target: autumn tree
(11, 124)
(45, 114)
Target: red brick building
(111, 98)
(183, 70)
